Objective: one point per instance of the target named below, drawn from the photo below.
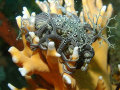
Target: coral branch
(100, 84)
(56, 45)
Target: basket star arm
(97, 12)
(36, 65)
(94, 10)
(48, 64)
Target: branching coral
(56, 46)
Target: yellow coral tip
(51, 45)
(32, 34)
(15, 60)
(18, 17)
(25, 16)
(11, 86)
(119, 67)
(58, 55)
(75, 52)
(10, 49)
(22, 71)
(36, 1)
(33, 14)
(37, 39)
(104, 8)
(100, 77)
(110, 5)
(24, 8)
(67, 79)
(50, 0)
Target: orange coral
(98, 65)
(47, 64)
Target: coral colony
(57, 44)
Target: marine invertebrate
(56, 45)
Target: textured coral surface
(49, 67)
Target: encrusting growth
(59, 47)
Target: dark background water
(9, 9)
